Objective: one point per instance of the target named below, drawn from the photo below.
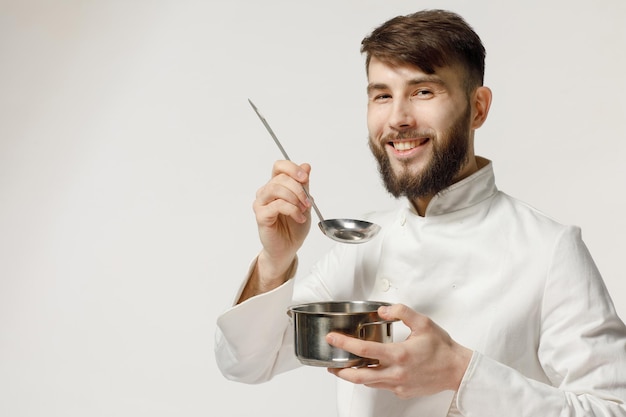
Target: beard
(449, 155)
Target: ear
(480, 106)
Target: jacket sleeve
(582, 349)
(254, 340)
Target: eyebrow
(414, 81)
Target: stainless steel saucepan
(313, 321)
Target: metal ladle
(340, 230)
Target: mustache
(408, 134)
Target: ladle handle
(271, 132)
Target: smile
(407, 145)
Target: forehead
(387, 74)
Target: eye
(422, 93)
(382, 97)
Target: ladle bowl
(340, 230)
(349, 230)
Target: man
(530, 329)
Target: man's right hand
(283, 216)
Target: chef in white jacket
(501, 310)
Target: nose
(401, 117)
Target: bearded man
(502, 309)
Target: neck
(421, 204)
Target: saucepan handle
(362, 326)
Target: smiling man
(422, 127)
(503, 310)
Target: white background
(129, 160)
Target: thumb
(411, 318)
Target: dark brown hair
(429, 39)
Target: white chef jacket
(503, 279)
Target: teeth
(405, 146)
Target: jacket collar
(465, 193)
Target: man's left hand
(427, 362)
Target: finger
(359, 347)
(411, 318)
(370, 376)
(269, 214)
(291, 176)
(274, 200)
(298, 172)
(282, 187)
